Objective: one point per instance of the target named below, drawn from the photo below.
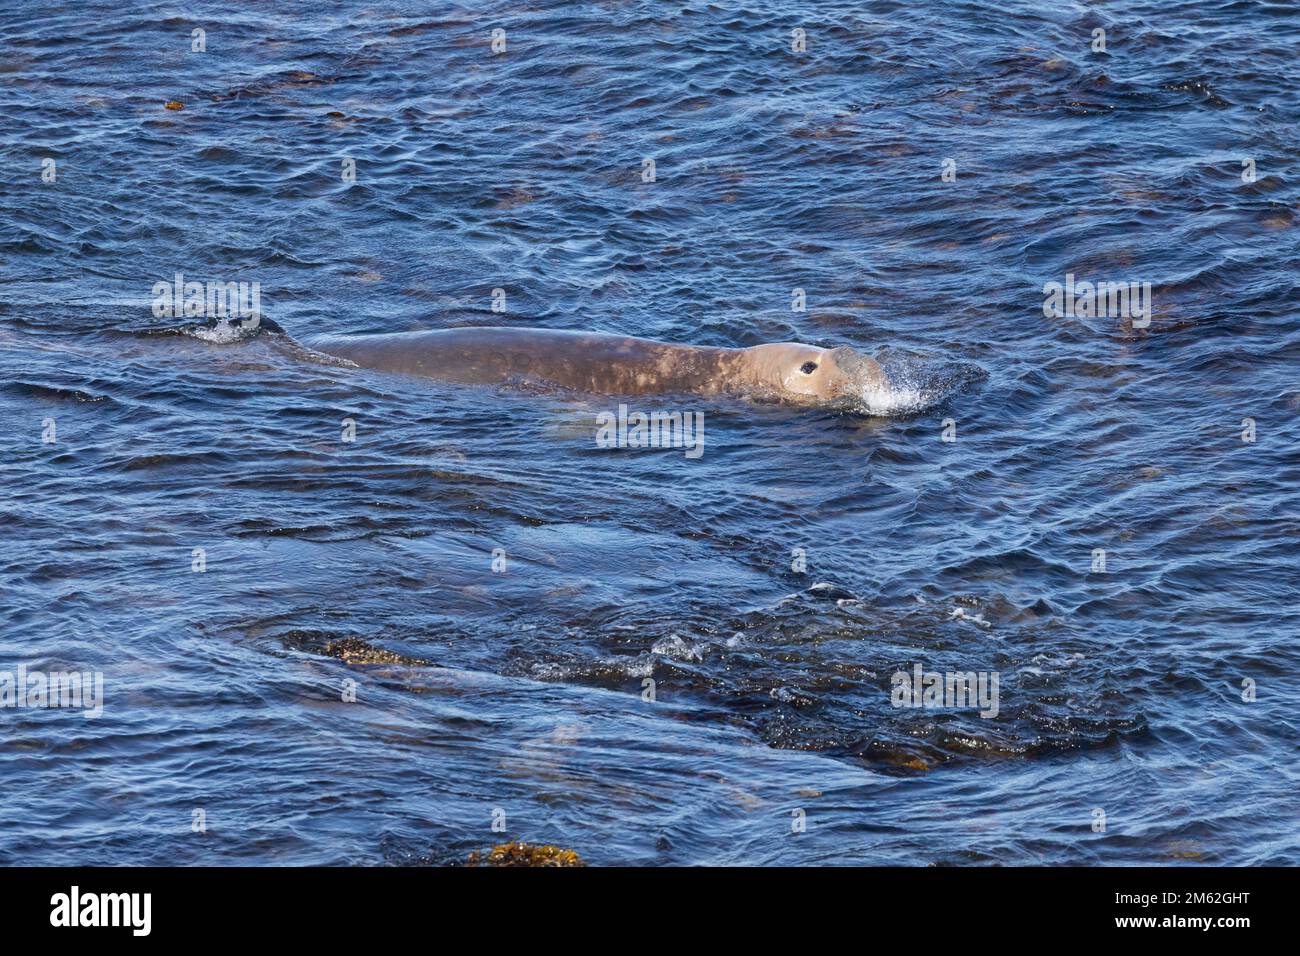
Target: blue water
(519, 696)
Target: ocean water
(674, 660)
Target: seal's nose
(861, 369)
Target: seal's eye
(808, 367)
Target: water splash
(913, 386)
(222, 332)
(219, 331)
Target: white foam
(886, 400)
(678, 648)
(223, 333)
(976, 618)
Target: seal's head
(815, 376)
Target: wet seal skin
(616, 364)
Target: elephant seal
(617, 364)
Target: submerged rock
(353, 650)
(524, 854)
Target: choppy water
(1121, 690)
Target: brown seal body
(613, 364)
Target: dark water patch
(34, 391)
